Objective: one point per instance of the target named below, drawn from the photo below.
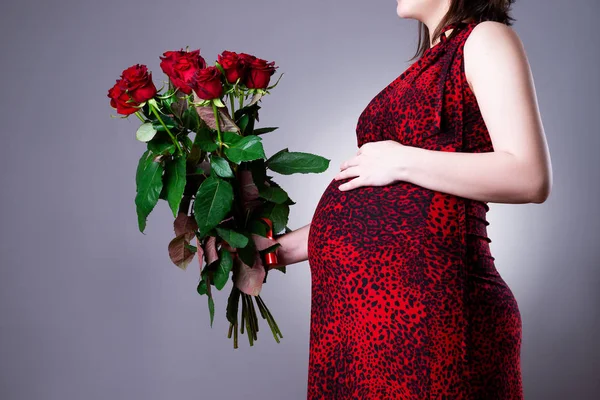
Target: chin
(401, 12)
(414, 8)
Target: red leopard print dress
(406, 299)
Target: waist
(477, 236)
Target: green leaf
(233, 238)
(201, 289)
(278, 214)
(258, 226)
(233, 302)
(174, 181)
(208, 271)
(204, 140)
(149, 185)
(191, 248)
(221, 275)
(168, 121)
(221, 166)
(286, 162)
(247, 149)
(142, 164)
(190, 119)
(248, 252)
(187, 141)
(243, 122)
(251, 109)
(282, 268)
(145, 132)
(271, 249)
(230, 138)
(218, 102)
(274, 194)
(163, 193)
(211, 309)
(161, 145)
(260, 131)
(213, 201)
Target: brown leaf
(207, 114)
(185, 224)
(249, 279)
(248, 190)
(210, 249)
(179, 105)
(262, 242)
(200, 252)
(179, 254)
(255, 99)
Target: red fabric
(406, 299)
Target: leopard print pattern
(406, 301)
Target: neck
(447, 33)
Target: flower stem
(249, 323)
(243, 319)
(137, 114)
(269, 319)
(235, 336)
(231, 101)
(254, 317)
(214, 107)
(155, 112)
(270, 316)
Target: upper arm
(498, 72)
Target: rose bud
(208, 83)
(259, 74)
(138, 83)
(119, 99)
(232, 65)
(181, 68)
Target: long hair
(460, 10)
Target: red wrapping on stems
(270, 258)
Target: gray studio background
(92, 309)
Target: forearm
(294, 246)
(494, 176)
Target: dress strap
(453, 25)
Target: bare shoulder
(490, 47)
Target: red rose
(246, 59)
(119, 99)
(259, 73)
(208, 83)
(232, 65)
(138, 83)
(181, 67)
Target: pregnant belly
(399, 217)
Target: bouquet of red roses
(216, 184)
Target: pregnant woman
(406, 299)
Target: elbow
(540, 192)
(537, 181)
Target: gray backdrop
(90, 308)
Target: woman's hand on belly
(377, 163)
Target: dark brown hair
(466, 10)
